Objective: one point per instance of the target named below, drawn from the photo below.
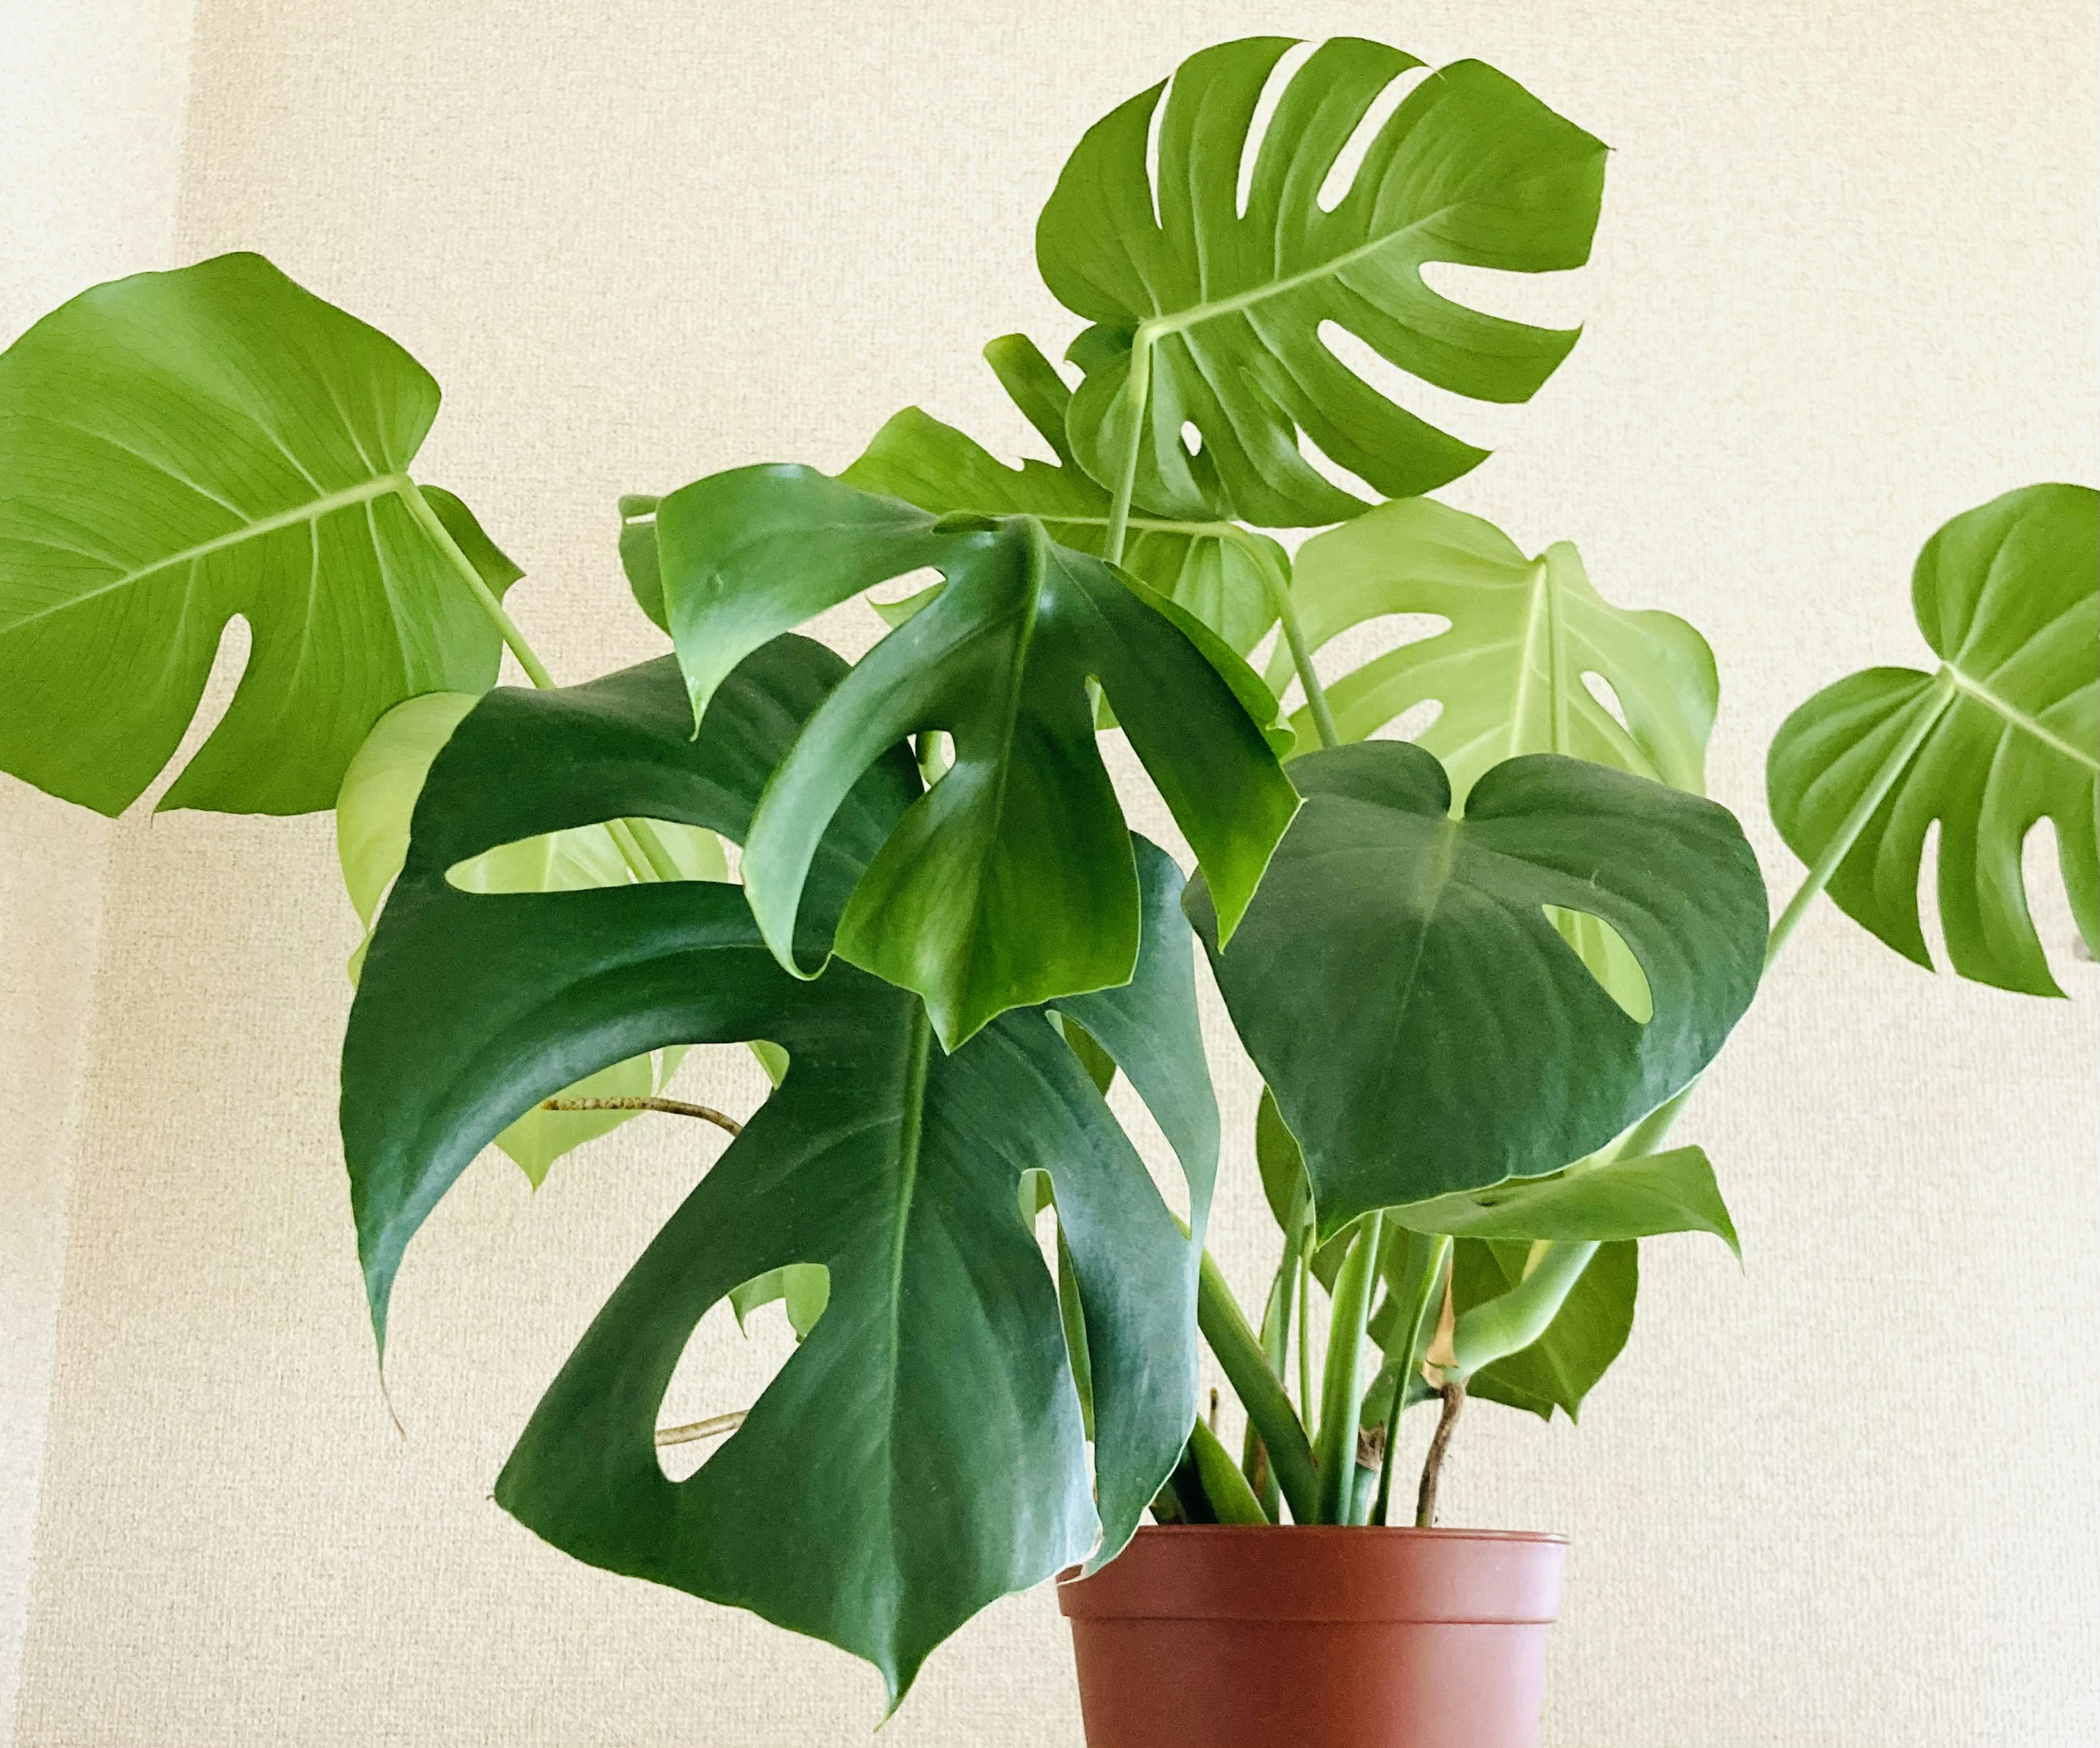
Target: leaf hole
(1413, 723)
(1605, 953)
(1601, 689)
(1152, 147)
(916, 591)
(1342, 173)
(729, 1360)
(1539, 300)
(1483, 424)
(583, 858)
(1273, 89)
(1192, 439)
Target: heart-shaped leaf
(1423, 1026)
(922, 1453)
(1222, 573)
(1638, 1198)
(1559, 1369)
(2005, 733)
(1209, 317)
(1510, 672)
(372, 815)
(176, 448)
(1010, 883)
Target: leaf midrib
(311, 512)
(911, 1132)
(2016, 718)
(1157, 325)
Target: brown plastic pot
(1214, 1636)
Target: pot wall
(1221, 1637)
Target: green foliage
(1207, 316)
(1459, 965)
(1222, 574)
(1011, 882)
(2004, 733)
(1423, 1026)
(893, 1165)
(1637, 1198)
(371, 816)
(1564, 1365)
(1508, 674)
(180, 448)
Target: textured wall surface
(1845, 287)
(91, 128)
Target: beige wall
(1845, 286)
(90, 144)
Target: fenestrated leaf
(1011, 882)
(176, 448)
(1213, 568)
(2004, 733)
(1213, 318)
(372, 815)
(1616, 1199)
(1508, 673)
(1423, 1026)
(1564, 1365)
(922, 1453)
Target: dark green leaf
(2006, 733)
(922, 1452)
(638, 554)
(1423, 1026)
(1564, 1365)
(1212, 568)
(1011, 882)
(1222, 312)
(1282, 1165)
(178, 448)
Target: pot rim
(1323, 1573)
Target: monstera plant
(1479, 968)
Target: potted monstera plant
(1480, 970)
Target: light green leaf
(1559, 1369)
(921, 1454)
(2005, 733)
(1010, 883)
(372, 819)
(1231, 1499)
(1616, 1199)
(1509, 674)
(178, 448)
(1214, 569)
(1423, 1026)
(804, 1287)
(1214, 318)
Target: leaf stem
(671, 1106)
(1847, 835)
(1301, 655)
(1341, 1393)
(1652, 1130)
(1238, 1352)
(1305, 1333)
(1511, 1322)
(1136, 390)
(1454, 1393)
(506, 627)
